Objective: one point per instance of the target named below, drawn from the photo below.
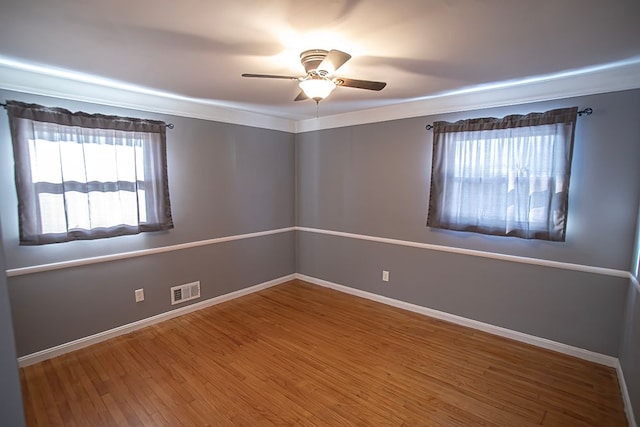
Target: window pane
(113, 208)
(139, 159)
(52, 217)
(78, 210)
(45, 161)
(126, 162)
(142, 206)
(100, 162)
(73, 165)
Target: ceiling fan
(319, 81)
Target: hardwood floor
(304, 355)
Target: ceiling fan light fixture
(317, 88)
(319, 81)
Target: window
(82, 176)
(506, 177)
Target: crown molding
(55, 84)
(612, 77)
(622, 75)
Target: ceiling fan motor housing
(311, 59)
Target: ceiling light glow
(317, 88)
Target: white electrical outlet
(139, 295)
(385, 276)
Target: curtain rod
(168, 125)
(586, 112)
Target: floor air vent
(184, 293)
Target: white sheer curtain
(506, 177)
(81, 176)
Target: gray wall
(630, 349)
(11, 411)
(630, 346)
(224, 180)
(374, 180)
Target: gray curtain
(506, 177)
(86, 176)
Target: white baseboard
(580, 353)
(625, 396)
(61, 349)
(591, 356)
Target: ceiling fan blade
(270, 76)
(334, 60)
(359, 84)
(301, 96)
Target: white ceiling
(199, 48)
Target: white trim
(477, 253)
(613, 77)
(471, 252)
(60, 84)
(20, 77)
(58, 350)
(628, 407)
(143, 252)
(591, 356)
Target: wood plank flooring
(298, 354)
